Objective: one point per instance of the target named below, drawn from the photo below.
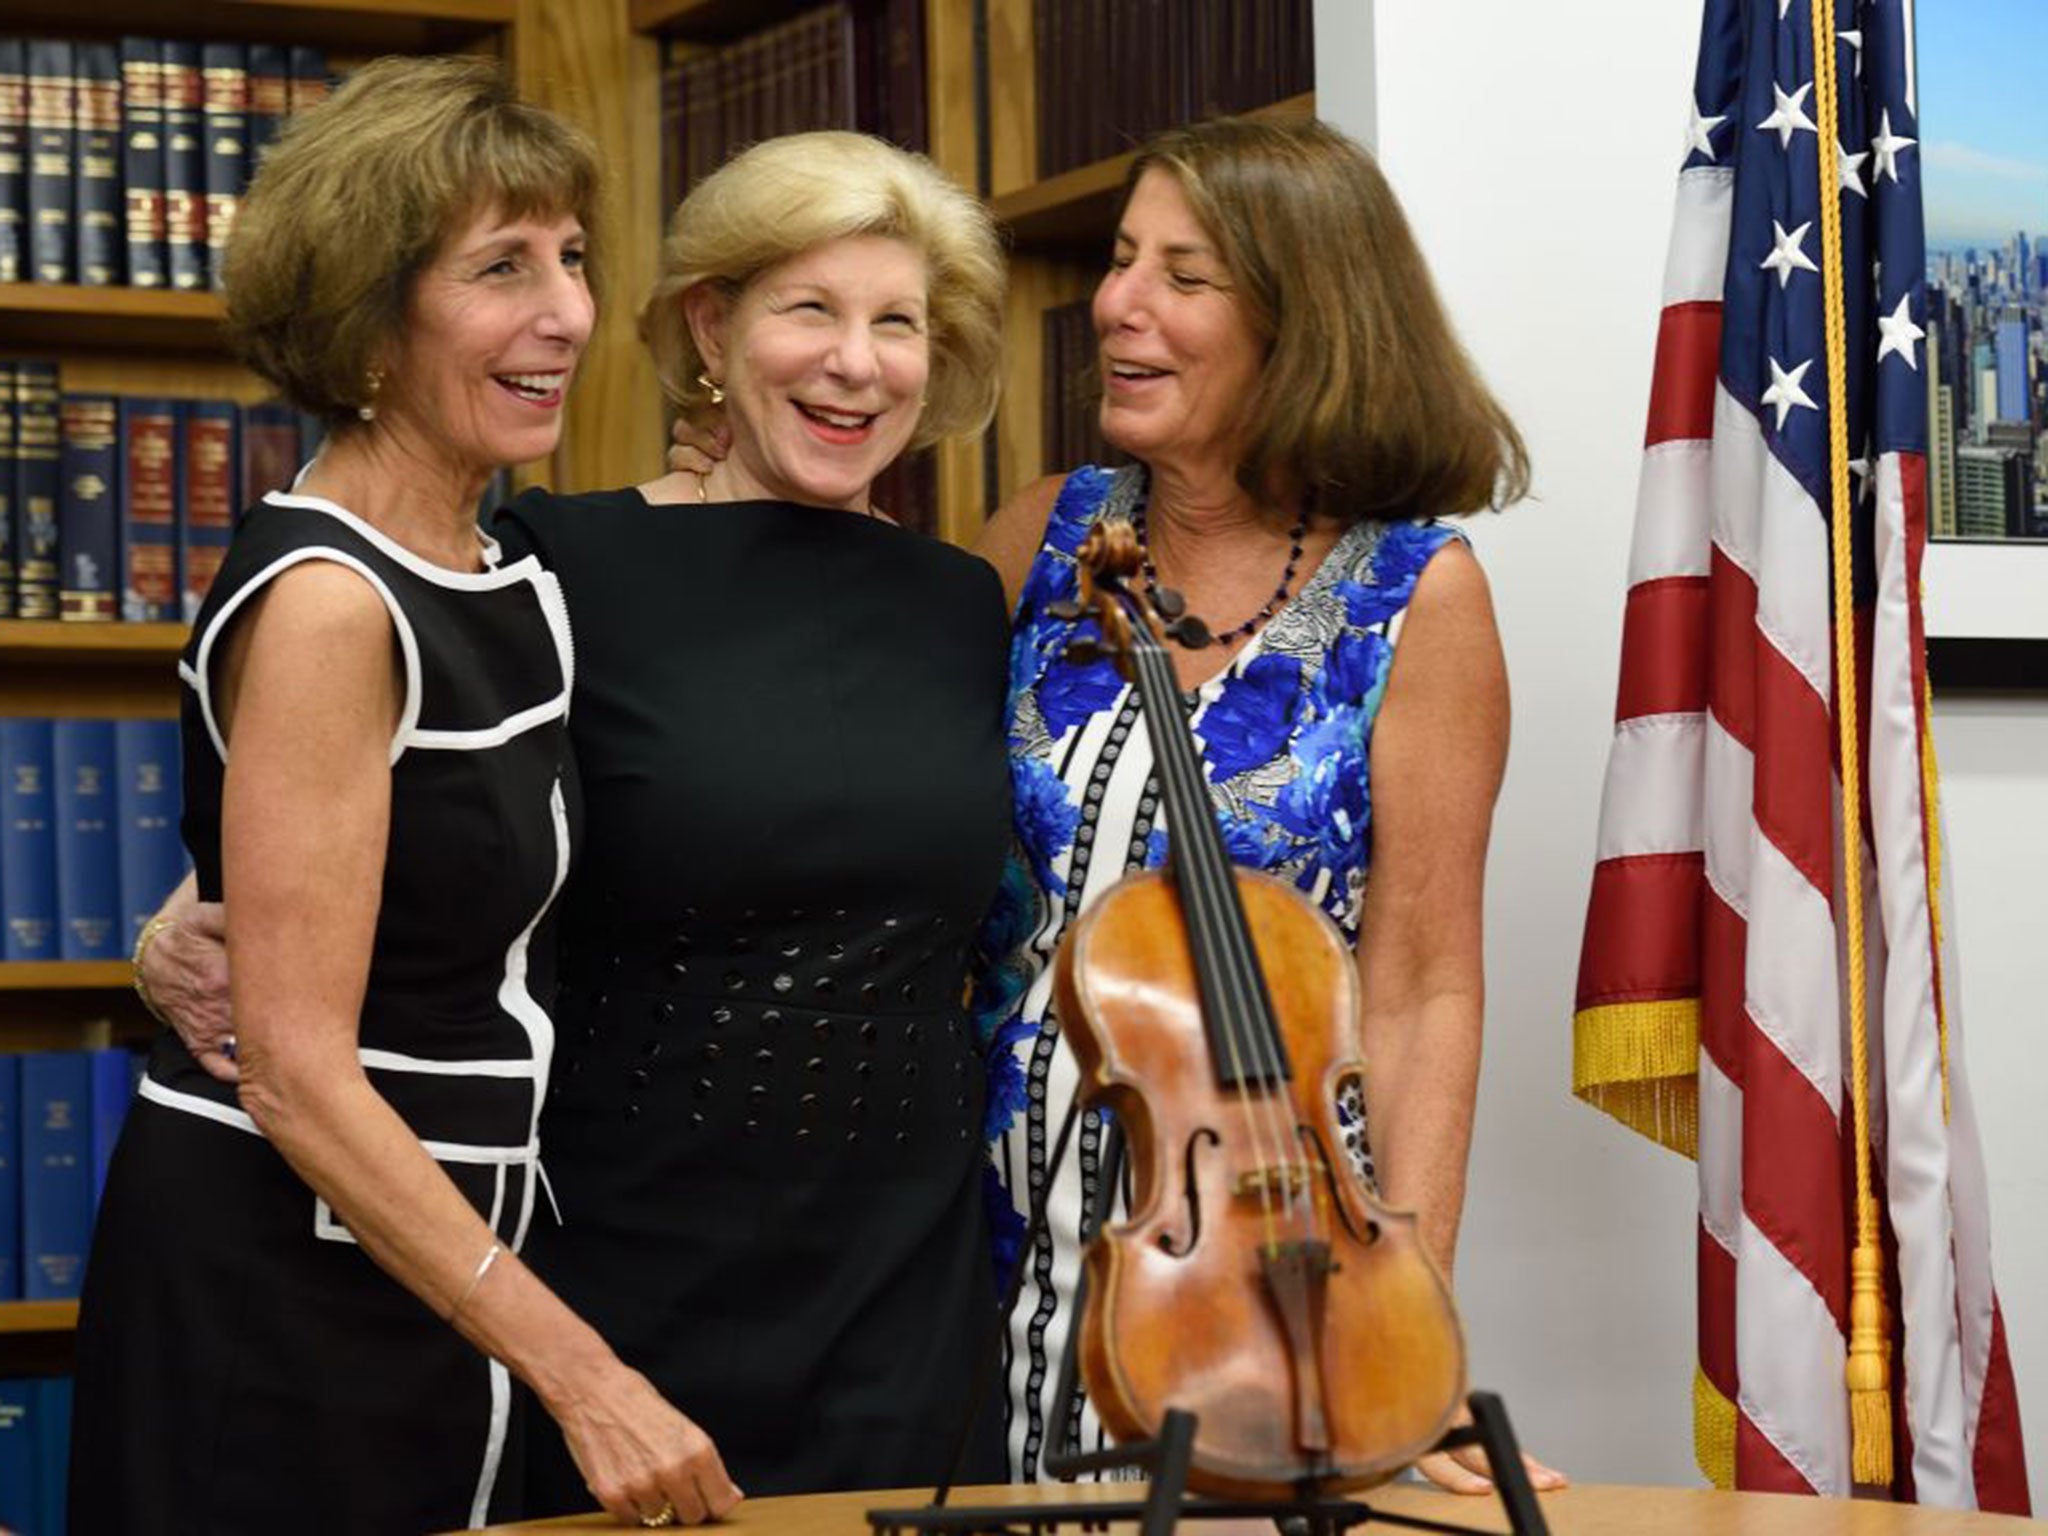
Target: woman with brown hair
(1274, 358)
(305, 1304)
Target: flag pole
(1869, 1366)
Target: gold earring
(711, 387)
(373, 381)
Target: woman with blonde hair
(305, 1304)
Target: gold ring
(666, 1515)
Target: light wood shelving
(63, 975)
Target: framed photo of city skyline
(1983, 130)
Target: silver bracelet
(483, 1267)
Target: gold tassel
(1869, 1371)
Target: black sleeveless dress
(242, 1364)
(765, 1130)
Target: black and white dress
(242, 1364)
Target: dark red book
(210, 500)
(150, 484)
(270, 450)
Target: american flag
(1713, 997)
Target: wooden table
(1591, 1510)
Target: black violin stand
(1165, 1459)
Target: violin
(1214, 1012)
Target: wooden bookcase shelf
(62, 975)
(1074, 208)
(19, 1317)
(91, 643)
(64, 317)
(354, 27)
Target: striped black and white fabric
(242, 1363)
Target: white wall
(1535, 148)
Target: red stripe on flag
(1795, 755)
(1732, 618)
(1792, 1158)
(1717, 1314)
(1688, 360)
(1724, 1025)
(2000, 1461)
(1758, 1466)
(1642, 929)
(1663, 648)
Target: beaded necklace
(1295, 536)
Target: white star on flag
(1851, 168)
(1860, 468)
(1785, 392)
(1899, 332)
(1790, 115)
(1887, 146)
(1855, 40)
(1786, 254)
(1699, 133)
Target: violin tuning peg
(1066, 610)
(1168, 603)
(1190, 632)
(1085, 653)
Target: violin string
(1209, 887)
(1232, 943)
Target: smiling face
(1179, 356)
(823, 359)
(497, 322)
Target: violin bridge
(1285, 1180)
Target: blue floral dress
(1284, 733)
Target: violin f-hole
(1191, 1197)
(1321, 1155)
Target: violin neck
(1244, 1040)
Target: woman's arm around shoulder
(1010, 540)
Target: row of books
(124, 162)
(89, 843)
(1113, 72)
(849, 64)
(1072, 426)
(122, 506)
(35, 1454)
(60, 1115)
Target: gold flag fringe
(1639, 1062)
(1713, 1432)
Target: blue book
(35, 489)
(7, 457)
(96, 163)
(113, 1089)
(142, 159)
(28, 840)
(184, 165)
(88, 851)
(148, 769)
(52, 146)
(18, 1456)
(224, 130)
(152, 434)
(10, 1190)
(56, 1172)
(88, 511)
(53, 1454)
(13, 161)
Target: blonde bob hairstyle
(789, 195)
(357, 197)
(1367, 406)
